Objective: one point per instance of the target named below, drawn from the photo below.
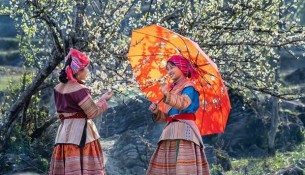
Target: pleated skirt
(178, 157)
(69, 159)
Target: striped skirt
(69, 159)
(173, 157)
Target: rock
(1, 97)
(224, 160)
(18, 164)
(288, 136)
(301, 163)
(244, 128)
(255, 151)
(296, 77)
(131, 115)
(302, 118)
(210, 154)
(130, 153)
(129, 138)
(246, 132)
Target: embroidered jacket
(71, 98)
(183, 98)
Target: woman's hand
(154, 108)
(107, 96)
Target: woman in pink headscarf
(77, 149)
(180, 149)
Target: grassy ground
(8, 44)
(268, 165)
(6, 80)
(9, 74)
(7, 53)
(8, 39)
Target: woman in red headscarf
(180, 149)
(77, 148)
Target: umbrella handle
(163, 96)
(160, 100)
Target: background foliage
(245, 38)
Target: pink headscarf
(184, 65)
(78, 62)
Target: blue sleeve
(191, 92)
(194, 96)
(193, 107)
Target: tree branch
(13, 114)
(37, 133)
(221, 44)
(284, 96)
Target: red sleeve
(81, 95)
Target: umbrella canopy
(152, 46)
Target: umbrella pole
(164, 96)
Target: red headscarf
(184, 65)
(78, 62)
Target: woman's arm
(91, 108)
(182, 101)
(86, 103)
(160, 117)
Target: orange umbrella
(151, 46)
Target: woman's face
(173, 71)
(82, 75)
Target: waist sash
(189, 116)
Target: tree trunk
(38, 132)
(55, 60)
(79, 35)
(26, 96)
(274, 125)
(275, 100)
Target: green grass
(268, 165)
(7, 79)
(8, 39)
(9, 74)
(7, 44)
(10, 52)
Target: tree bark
(274, 125)
(57, 56)
(275, 100)
(79, 35)
(25, 96)
(37, 133)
